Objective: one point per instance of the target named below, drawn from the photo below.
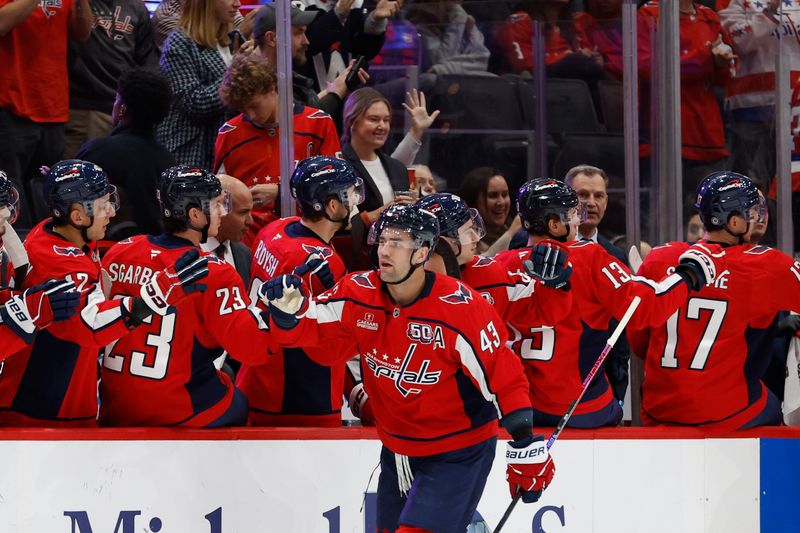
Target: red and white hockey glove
(287, 300)
(360, 406)
(701, 263)
(530, 468)
(168, 287)
(39, 306)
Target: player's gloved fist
(548, 263)
(701, 263)
(530, 468)
(286, 297)
(360, 406)
(39, 306)
(789, 326)
(318, 267)
(168, 287)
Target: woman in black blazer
(367, 123)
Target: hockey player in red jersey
(705, 363)
(437, 371)
(163, 374)
(21, 314)
(291, 389)
(557, 359)
(53, 382)
(247, 145)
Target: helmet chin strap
(342, 221)
(203, 231)
(739, 236)
(411, 269)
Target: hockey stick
(634, 260)
(612, 340)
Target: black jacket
(133, 161)
(398, 177)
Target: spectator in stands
(121, 39)
(451, 42)
(568, 54)
(131, 156)
(367, 120)
(340, 34)
(486, 189)
(750, 95)
(694, 228)
(34, 91)
(601, 26)
(705, 62)
(427, 181)
(247, 146)
(168, 13)
(265, 36)
(194, 60)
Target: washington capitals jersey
(437, 371)
(252, 153)
(705, 362)
(291, 389)
(10, 342)
(53, 381)
(559, 356)
(163, 373)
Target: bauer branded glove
(701, 264)
(168, 287)
(530, 468)
(39, 306)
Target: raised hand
(39, 306)
(168, 287)
(285, 296)
(548, 264)
(318, 267)
(701, 264)
(417, 109)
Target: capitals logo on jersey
(483, 261)
(45, 6)
(362, 280)
(461, 296)
(68, 251)
(398, 371)
(322, 251)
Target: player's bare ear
(553, 225)
(78, 216)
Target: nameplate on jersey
(265, 259)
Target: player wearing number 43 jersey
(163, 374)
(437, 372)
(557, 359)
(291, 389)
(53, 381)
(704, 364)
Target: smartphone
(352, 81)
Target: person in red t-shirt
(247, 146)
(34, 91)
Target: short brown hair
(588, 170)
(246, 77)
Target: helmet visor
(391, 237)
(353, 195)
(472, 230)
(758, 212)
(221, 205)
(108, 203)
(10, 211)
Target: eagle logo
(461, 296)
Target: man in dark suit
(591, 183)
(227, 244)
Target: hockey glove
(789, 326)
(317, 266)
(530, 468)
(286, 297)
(548, 264)
(168, 287)
(701, 263)
(39, 306)
(360, 406)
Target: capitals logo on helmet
(9, 199)
(184, 186)
(75, 181)
(421, 224)
(723, 194)
(316, 179)
(540, 198)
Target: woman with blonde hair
(194, 60)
